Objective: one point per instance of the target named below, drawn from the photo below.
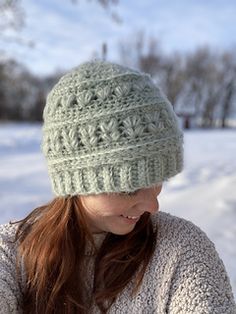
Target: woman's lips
(130, 219)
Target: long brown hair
(52, 242)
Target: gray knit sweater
(185, 274)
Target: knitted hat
(109, 128)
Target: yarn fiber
(109, 128)
(184, 276)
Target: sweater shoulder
(8, 232)
(180, 234)
(10, 283)
(8, 245)
(195, 276)
(167, 223)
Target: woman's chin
(122, 230)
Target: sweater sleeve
(200, 284)
(10, 294)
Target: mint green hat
(109, 128)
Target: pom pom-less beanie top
(109, 128)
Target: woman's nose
(148, 206)
(152, 207)
(150, 202)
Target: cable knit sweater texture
(185, 274)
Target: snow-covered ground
(205, 192)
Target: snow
(205, 192)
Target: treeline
(22, 94)
(200, 85)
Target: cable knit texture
(184, 276)
(109, 128)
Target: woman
(110, 138)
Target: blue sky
(67, 34)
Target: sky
(66, 34)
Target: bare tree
(200, 85)
(229, 90)
(11, 15)
(131, 49)
(11, 20)
(145, 54)
(2, 92)
(107, 5)
(203, 81)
